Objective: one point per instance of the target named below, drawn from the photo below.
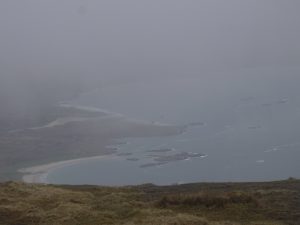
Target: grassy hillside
(272, 203)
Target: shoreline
(109, 127)
(39, 173)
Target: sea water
(245, 126)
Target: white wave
(89, 109)
(60, 122)
(272, 150)
(283, 147)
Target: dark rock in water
(161, 150)
(195, 154)
(151, 164)
(164, 159)
(133, 159)
(282, 101)
(113, 149)
(124, 154)
(178, 157)
(183, 129)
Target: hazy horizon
(231, 65)
(53, 49)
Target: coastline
(84, 130)
(39, 173)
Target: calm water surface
(250, 130)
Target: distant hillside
(272, 203)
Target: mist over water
(244, 134)
(226, 71)
(52, 50)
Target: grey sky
(43, 42)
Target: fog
(215, 74)
(53, 49)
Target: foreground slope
(270, 203)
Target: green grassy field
(269, 203)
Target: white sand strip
(39, 174)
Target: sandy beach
(38, 174)
(72, 133)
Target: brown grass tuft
(208, 200)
